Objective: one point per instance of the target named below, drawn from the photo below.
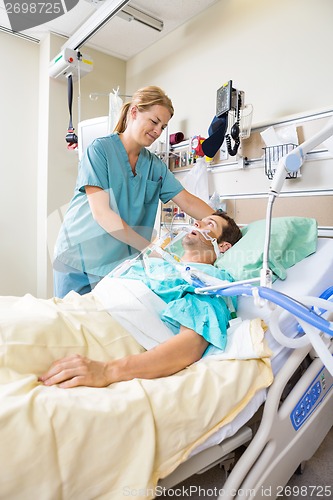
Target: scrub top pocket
(152, 192)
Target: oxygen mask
(172, 242)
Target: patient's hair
(144, 99)
(231, 232)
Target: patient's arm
(170, 357)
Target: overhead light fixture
(130, 13)
(105, 12)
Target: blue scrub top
(82, 243)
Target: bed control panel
(312, 398)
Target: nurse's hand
(74, 371)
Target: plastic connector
(266, 278)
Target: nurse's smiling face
(147, 126)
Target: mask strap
(216, 248)
(212, 240)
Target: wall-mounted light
(130, 13)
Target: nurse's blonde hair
(143, 99)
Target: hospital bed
(286, 429)
(120, 440)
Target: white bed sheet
(311, 276)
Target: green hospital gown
(208, 315)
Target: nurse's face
(147, 126)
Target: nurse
(112, 213)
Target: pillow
(292, 239)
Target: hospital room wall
(19, 87)
(277, 51)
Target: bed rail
(278, 449)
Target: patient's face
(213, 223)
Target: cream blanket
(110, 443)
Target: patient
(197, 320)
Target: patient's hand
(74, 371)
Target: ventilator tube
(309, 321)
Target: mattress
(311, 277)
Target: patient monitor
(232, 121)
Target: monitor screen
(91, 129)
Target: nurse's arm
(165, 359)
(111, 222)
(192, 205)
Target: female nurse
(120, 182)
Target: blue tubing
(326, 295)
(296, 308)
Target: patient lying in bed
(103, 442)
(195, 321)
